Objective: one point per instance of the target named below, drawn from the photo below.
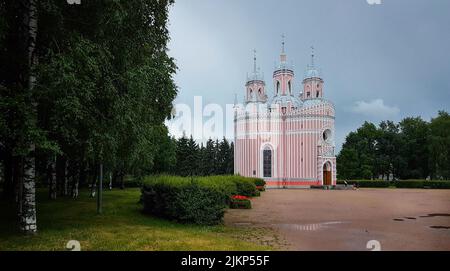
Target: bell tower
(255, 86)
(283, 76)
(312, 82)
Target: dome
(283, 100)
(312, 72)
(256, 75)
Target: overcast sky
(379, 62)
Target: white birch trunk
(27, 205)
(27, 208)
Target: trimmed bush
(240, 202)
(233, 184)
(423, 184)
(199, 200)
(184, 200)
(418, 184)
(257, 193)
(368, 183)
(409, 184)
(258, 181)
(437, 184)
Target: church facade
(287, 139)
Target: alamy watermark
(73, 245)
(374, 245)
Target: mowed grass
(122, 226)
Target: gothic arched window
(289, 87)
(278, 87)
(267, 163)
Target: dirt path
(399, 219)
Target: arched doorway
(327, 174)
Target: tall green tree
(389, 160)
(361, 146)
(414, 133)
(183, 165)
(92, 86)
(439, 146)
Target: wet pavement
(399, 219)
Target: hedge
(234, 185)
(258, 181)
(399, 184)
(183, 199)
(240, 204)
(423, 184)
(198, 200)
(367, 183)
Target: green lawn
(122, 226)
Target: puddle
(436, 215)
(422, 216)
(309, 227)
(440, 227)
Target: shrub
(437, 184)
(233, 185)
(199, 200)
(258, 181)
(257, 193)
(183, 199)
(261, 188)
(245, 187)
(409, 184)
(368, 183)
(423, 184)
(240, 202)
(401, 184)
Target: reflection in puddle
(309, 227)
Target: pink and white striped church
(287, 139)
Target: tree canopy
(102, 88)
(410, 149)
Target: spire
(254, 61)
(256, 73)
(311, 70)
(283, 51)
